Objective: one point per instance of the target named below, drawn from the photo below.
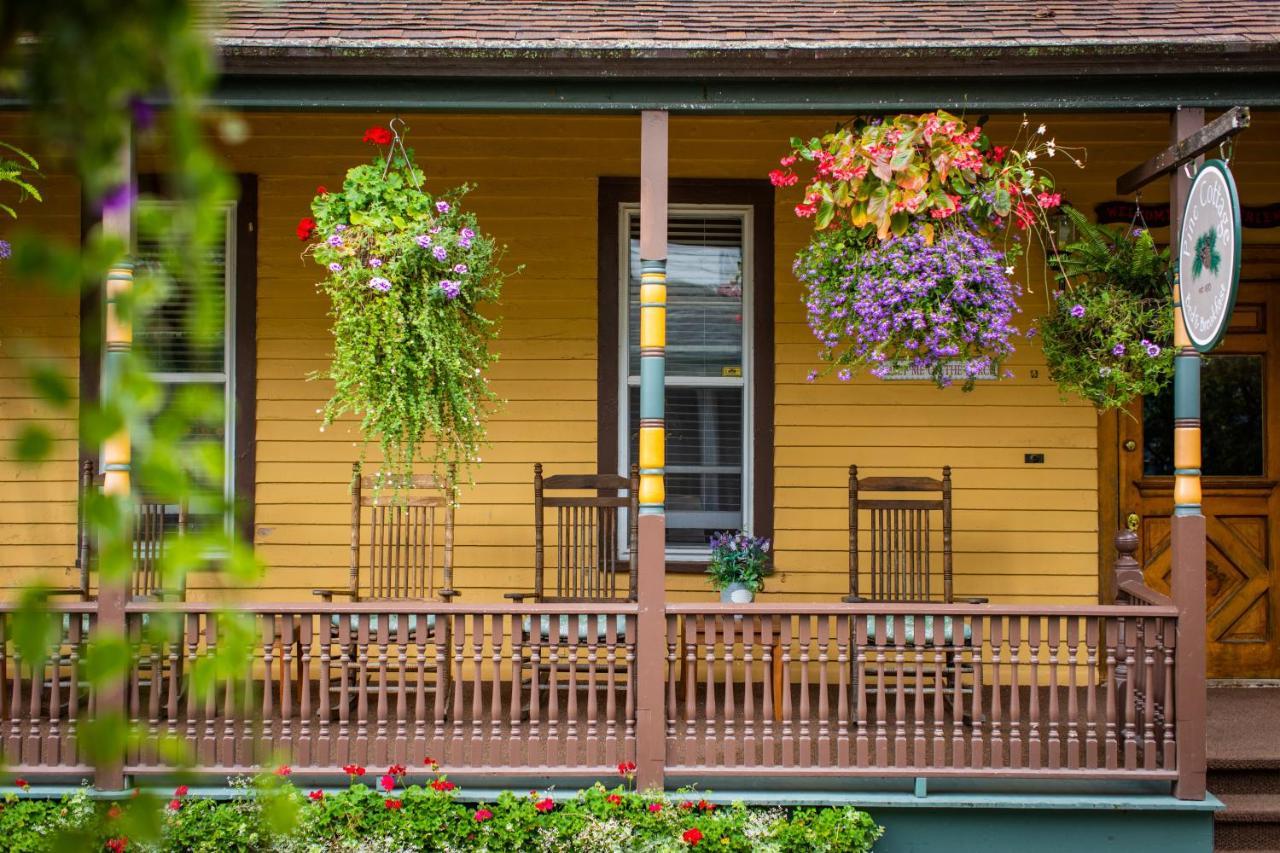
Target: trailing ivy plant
(408, 275)
(1108, 334)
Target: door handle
(1131, 521)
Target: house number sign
(1209, 255)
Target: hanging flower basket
(1108, 335)
(918, 219)
(408, 273)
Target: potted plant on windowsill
(738, 566)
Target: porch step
(1244, 767)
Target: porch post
(651, 579)
(1187, 537)
(113, 590)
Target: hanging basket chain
(397, 141)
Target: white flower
(1040, 130)
(1051, 147)
(1008, 270)
(1031, 155)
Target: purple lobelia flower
(375, 262)
(380, 284)
(335, 267)
(423, 241)
(465, 236)
(1118, 349)
(1077, 311)
(118, 199)
(334, 240)
(443, 206)
(450, 288)
(440, 253)
(5, 249)
(460, 269)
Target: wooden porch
(564, 692)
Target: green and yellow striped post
(651, 619)
(1186, 414)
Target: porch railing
(551, 691)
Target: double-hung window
(708, 368)
(179, 359)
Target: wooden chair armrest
(449, 594)
(520, 596)
(328, 594)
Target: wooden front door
(1240, 409)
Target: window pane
(704, 461)
(201, 447)
(1232, 420)
(704, 296)
(165, 333)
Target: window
(178, 360)
(718, 390)
(227, 366)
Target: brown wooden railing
(568, 691)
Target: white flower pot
(736, 593)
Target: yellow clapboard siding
(1023, 532)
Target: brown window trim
(246, 344)
(760, 196)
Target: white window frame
(626, 210)
(227, 375)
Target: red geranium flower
(320, 190)
(396, 770)
(655, 807)
(387, 782)
(114, 812)
(174, 805)
(353, 769)
(378, 136)
(431, 762)
(180, 791)
(394, 805)
(998, 152)
(482, 815)
(117, 845)
(705, 806)
(692, 836)
(306, 228)
(442, 785)
(614, 799)
(316, 795)
(545, 805)
(284, 770)
(22, 783)
(686, 805)
(627, 767)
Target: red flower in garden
(1048, 200)
(353, 769)
(22, 783)
(442, 785)
(180, 791)
(655, 807)
(117, 845)
(692, 836)
(378, 136)
(686, 805)
(387, 782)
(431, 763)
(320, 190)
(114, 812)
(703, 805)
(626, 767)
(284, 770)
(613, 800)
(789, 160)
(316, 795)
(1024, 215)
(779, 178)
(174, 805)
(306, 228)
(397, 770)
(545, 805)
(394, 805)
(998, 152)
(482, 815)
(804, 211)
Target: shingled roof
(1233, 35)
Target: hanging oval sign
(1209, 255)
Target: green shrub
(273, 816)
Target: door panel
(1241, 425)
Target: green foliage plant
(16, 170)
(1107, 335)
(739, 558)
(408, 274)
(396, 811)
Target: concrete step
(1249, 822)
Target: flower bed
(397, 812)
